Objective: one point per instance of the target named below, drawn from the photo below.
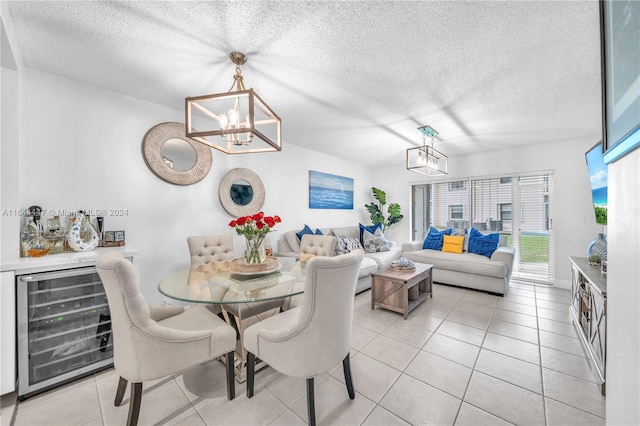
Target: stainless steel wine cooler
(64, 328)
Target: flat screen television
(598, 181)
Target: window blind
(450, 205)
(535, 228)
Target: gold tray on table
(241, 267)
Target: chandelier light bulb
(224, 121)
(234, 119)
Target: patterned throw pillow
(435, 238)
(347, 245)
(374, 242)
(480, 243)
(371, 229)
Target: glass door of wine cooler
(64, 328)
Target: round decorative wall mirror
(241, 192)
(179, 155)
(174, 157)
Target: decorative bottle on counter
(82, 236)
(55, 234)
(38, 246)
(598, 246)
(70, 221)
(27, 234)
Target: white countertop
(64, 260)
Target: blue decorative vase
(598, 246)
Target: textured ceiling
(352, 79)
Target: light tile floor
(463, 358)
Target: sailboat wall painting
(327, 191)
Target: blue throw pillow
(305, 230)
(318, 231)
(371, 229)
(435, 238)
(480, 243)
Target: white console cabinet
(20, 270)
(589, 311)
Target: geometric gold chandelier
(425, 159)
(235, 122)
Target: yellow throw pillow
(453, 244)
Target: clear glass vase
(254, 252)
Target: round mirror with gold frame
(174, 157)
(241, 192)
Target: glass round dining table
(215, 283)
(242, 298)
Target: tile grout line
(544, 400)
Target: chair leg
(231, 380)
(134, 404)
(346, 367)
(311, 405)
(251, 371)
(122, 386)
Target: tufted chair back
(318, 245)
(314, 337)
(152, 342)
(209, 249)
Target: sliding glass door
(534, 237)
(517, 207)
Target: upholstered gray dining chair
(215, 252)
(210, 248)
(310, 246)
(209, 252)
(314, 337)
(151, 342)
(317, 245)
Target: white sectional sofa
(289, 246)
(466, 269)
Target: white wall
(572, 191)
(9, 155)
(82, 150)
(623, 291)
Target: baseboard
(566, 284)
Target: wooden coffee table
(401, 291)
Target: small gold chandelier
(235, 122)
(425, 159)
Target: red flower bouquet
(254, 228)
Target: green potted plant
(376, 210)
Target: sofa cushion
(434, 238)
(347, 231)
(384, 258)
(465, 262)
(367, 267)
(480, 243)
(292, 239)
